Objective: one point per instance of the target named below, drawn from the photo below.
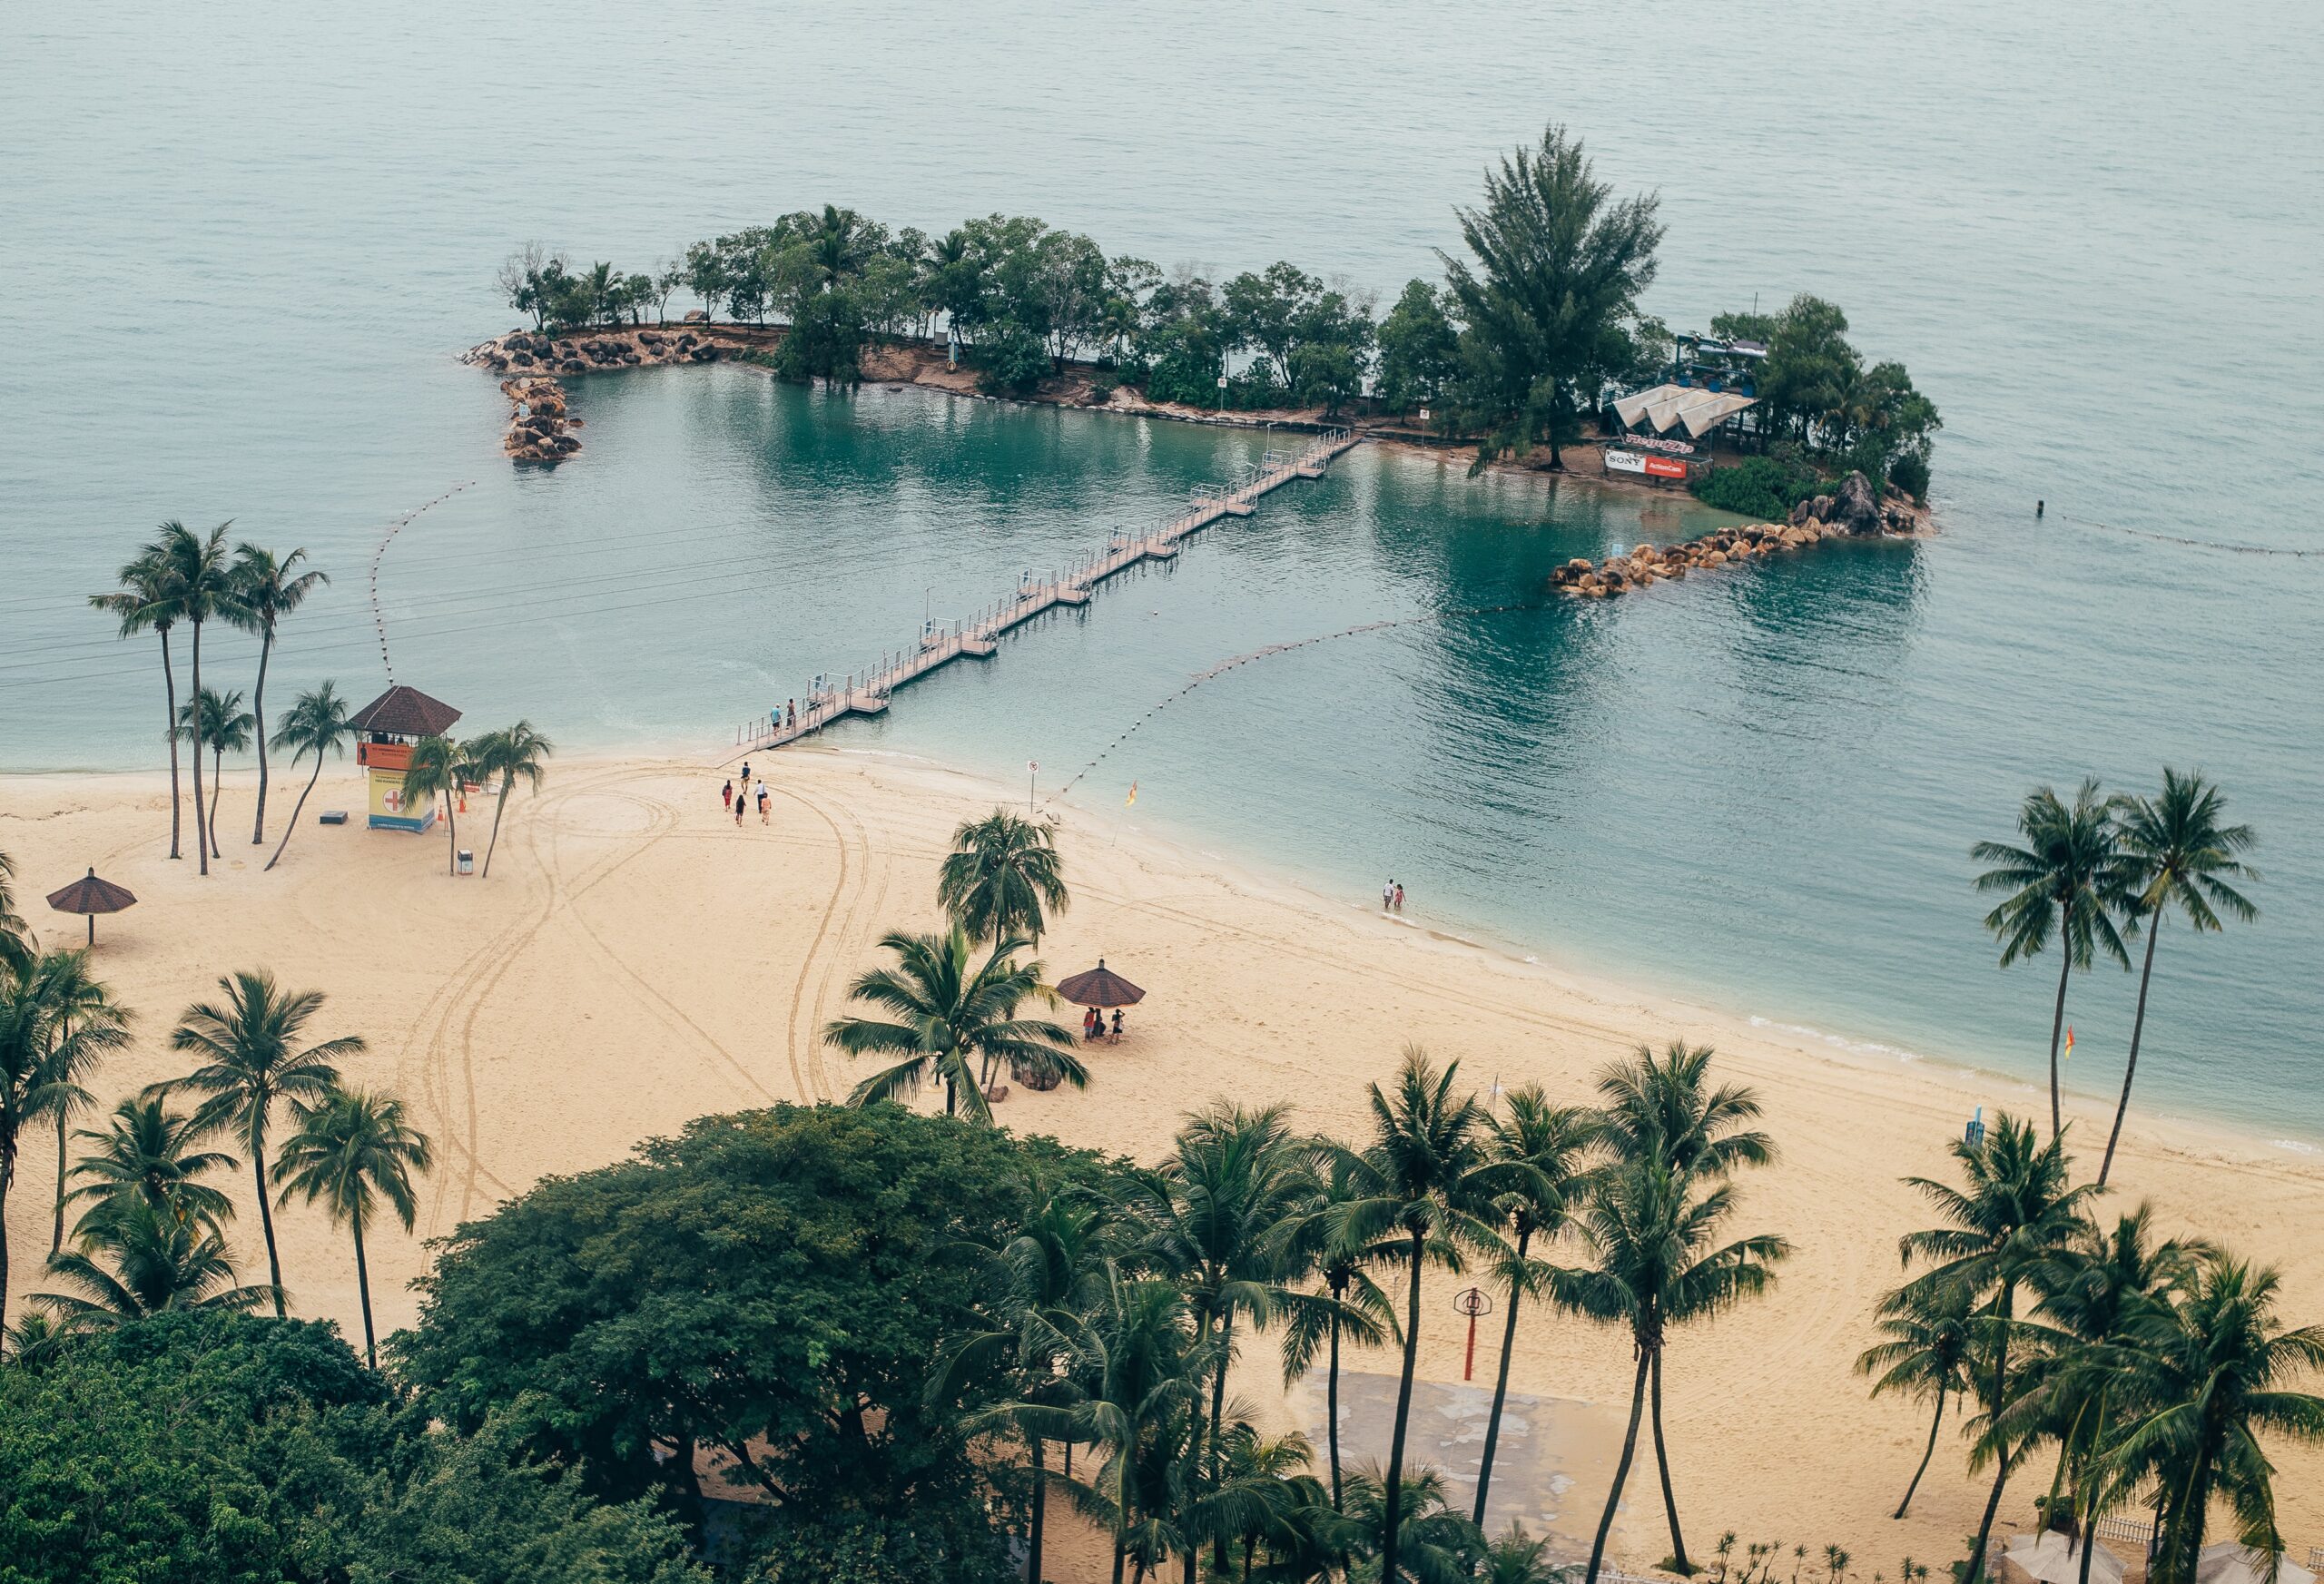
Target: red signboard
(1664, 468)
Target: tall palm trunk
(2057, 1027)
(1500, 1389)
(499, 804)
(56, 1232)
(1927, 1453)
(296, 809)
(1118, 1561)
(2131, 1068)
(170, 694)
(258, 716)
(363, 1294)
(1041, 1504)
(1395, 1491)
(452, 828)
(7, 1176)
(217, 782)
(1332, 1404)
(1217, 1414)
(2003, 1307)
(1622, 1472)
(266, 1221)
(201, 820)
(1986, 1525)
(1678, 1563)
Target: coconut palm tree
(17, 951)
(76, 1000)
(952, 1022)
(200, 587)
(2221, 1381)
(1653, 1228)
(251, 1057)
(1352, 1305)
(160, 1265)
(1435, 1543)
(1261, 1489)
(150, 1153)
(147, 600)
(40, 1050)
(2017, 1210)
(2178, 854)
(317, 725)
(1427, 1181)
(2064, 882)
(439, 767)
(512, 754)
(353, 1149)
(223, 728)
(266, 588)
(1557, 1143)
(1930, 1343)
(1004, 870)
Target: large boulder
(1854, 505)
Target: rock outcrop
(1855, 507)
(589, 352)
(1647, 564)
(538, 429)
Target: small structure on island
(385, 729)
(92, 896)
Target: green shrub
(1010, 359)
(1909, 473)
(1766, 488)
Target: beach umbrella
(2053, 1559)
(1100, 986)
(2229, 1563)
(92, 896)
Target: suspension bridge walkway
(828, 698)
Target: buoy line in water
(1223, 666)
(377, 619)
(2194, 543)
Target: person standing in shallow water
(1399, 898)
(1388, 895)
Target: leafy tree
(1001, 876)
(251, 1056)
(353, 1149)
(85, 1026)
(706, 276)
(2064, 881)
(953, 1023)
(217, 721)
(514, 753)
(2177, 854)
(1928, 1353)
(1010, 358)
(30, 1036)
(1766, 488)
(151, 1154)
(1420, 348)
(147, 600)
(1559, 269)
(519, 281)
(1433, 1544)
(439, 767)
(316, 725)
(266, 587)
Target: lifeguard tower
(385, 729)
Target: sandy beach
(637, 960)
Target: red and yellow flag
(2069, 1047)
(1132, 799)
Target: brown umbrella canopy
(1100, 986)
(92, 896)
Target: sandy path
(635, 959)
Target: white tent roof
(1667, 405)
(2053, 1559)
(2229, 1563)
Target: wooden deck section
(977, 638)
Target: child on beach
(1399, 898)
(762, 802)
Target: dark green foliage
(954, 1545)
(826, 337)
(1909, 473)
(1766, 488)
(1420, 348)
(1010, 359)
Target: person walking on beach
(726, 795)
(746, 772)
(762, 802)
(1387, 896)
(742, 801)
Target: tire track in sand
(804, 1032)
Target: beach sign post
(1033, 777)
(1471, 1301)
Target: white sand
(635, 959)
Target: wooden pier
(829, 699)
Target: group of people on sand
(1391, 898)
(738, 800)
(1093, 1029)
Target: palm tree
(953, 1023)
(15, 936)
(251, 1058)
(512, 754)
(317, 725)
(149, 1152)
(440, 766)
(1004, 870)
(266, 588)
(2062, 882)
(1930, 1343)
(1652, 1227)
(76, 1000)
(1351, 1305)
(1261, 1489)
(147, 600)
(160, 1265)
(200, 586)
(352, 1150)
(2177, 853)
(223, 728)
(1556, 1142)
(1427, 1182)
(2221, 1381)
(39, 1052)
(1433, 1542)
(1517, 1557)
(2017, 1211)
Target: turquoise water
(243, 243)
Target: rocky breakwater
(538, 429)
(587, 352)
(1850, 511)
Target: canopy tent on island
(1666, 406)
(388, 726)
(2227, 1562)
(2050, 1557)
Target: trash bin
(466, 862)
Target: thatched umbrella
(1100, 986)
(92, 896)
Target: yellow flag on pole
(1132, 799)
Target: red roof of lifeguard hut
(405, 711)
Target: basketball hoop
(1471, 1301)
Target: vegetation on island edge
(1534, 328)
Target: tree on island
(1420, 350)
(439, 767)
(1927, 1354)
(514, 754)
(1551, 303)
(1002, 874)
(200, 587)
(353, 1149)
(218, 723)
(317, 725)
(266, 587)
(147, 600)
